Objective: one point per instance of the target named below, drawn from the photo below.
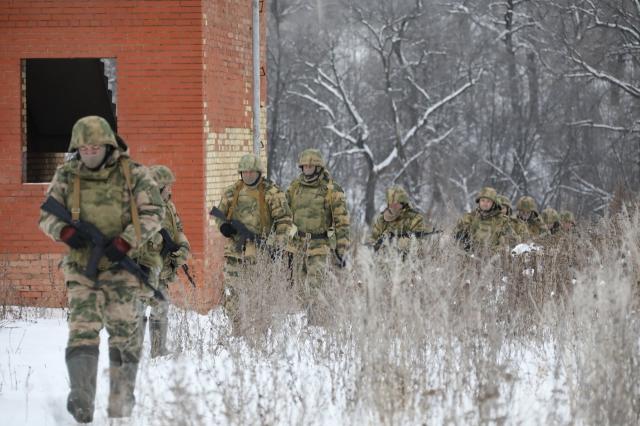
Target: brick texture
(184, 100)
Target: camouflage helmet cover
(397, 194)
(567, 217)
(162, 175)
(250, 163)
(550, 216)
(91, 130)
(311, 157)
(489, 193)
(504, 201)
(527, 204)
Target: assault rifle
(170, 246)
(389, 237)
(243, 232)
(99, 241)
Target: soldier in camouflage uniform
(486, 227)
(399, 221)
(528, 212)
(518, 226)
(320, 214)
(172, 260)
(262, 207)
(551, 220)
(567, 221)
(103, 187)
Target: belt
(308, 236)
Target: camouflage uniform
(567, 218)
(481, 230)
(172, 225)
(401, 226)
(518, 226)
(320, 214)
(103, 197)
(535, 226)
(263, 209)
(551, 220)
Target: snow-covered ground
(214, 379)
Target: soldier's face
(92, 155)
(567, 226)
(308, 170)
(485, 204)
(395, 207)
(249, 178)
(504, 210)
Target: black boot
(158, 332)
(82, 365)
(123, 368)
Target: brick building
(174, 78)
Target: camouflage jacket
(173, 225)
(536, 226)
(270, 219)
(319, 208)
(479, 230)
(105, 202)
(409, 221)
(520, 229)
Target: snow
(212, 378)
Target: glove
(179, 257)
(117, 249)
(72, 237)
(341, 262)
(228, 230)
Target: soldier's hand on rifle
(71, 237)
(228, 230)
(179, 257)
(117, 249)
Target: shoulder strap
(124, 163)
(234, 200)
(329, 200)
(262, 205)
(75, 206)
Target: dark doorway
(58, 92)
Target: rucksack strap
(75, 202)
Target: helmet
(91, 130)
(527, 204)
(162, 175)
(550, 216)
(488, 192)
(567, 217)
(397, 194)
(311, 157)
(504, 201)
(250, 163)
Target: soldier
(319, 210)
(398, 221)
(551, 220)
(567, 221)
(486, 227)
(103, 187)
(257, 204)
(174, 249)
(528, 212)
(518, 226)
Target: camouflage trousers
(112, 302)
(309, 273)
(159, 308)
(232, 270)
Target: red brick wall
(161, 93)
(228, 124)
